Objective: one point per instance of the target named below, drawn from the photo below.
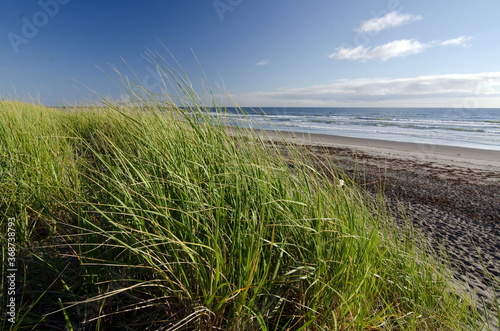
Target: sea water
(473, 128)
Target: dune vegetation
(153, 217)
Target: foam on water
(475, 128)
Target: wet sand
(450, 194)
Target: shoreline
(450, 161)
(450, 195)
(380, 144)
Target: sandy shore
(451, 194)
(482, 163)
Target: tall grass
(153, 217)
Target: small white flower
(341, 183)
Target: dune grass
(155, 218)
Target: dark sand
(450, 194)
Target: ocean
(473, 128)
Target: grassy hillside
(131, 219)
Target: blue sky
(401, 53)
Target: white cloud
(480, 90)
(460, 41)
(396, 48)
(262, 62)
(390, 20)
(384, 52)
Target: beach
(450, 194)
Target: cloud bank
(396, 48)
(454, 90)
(390, 20)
